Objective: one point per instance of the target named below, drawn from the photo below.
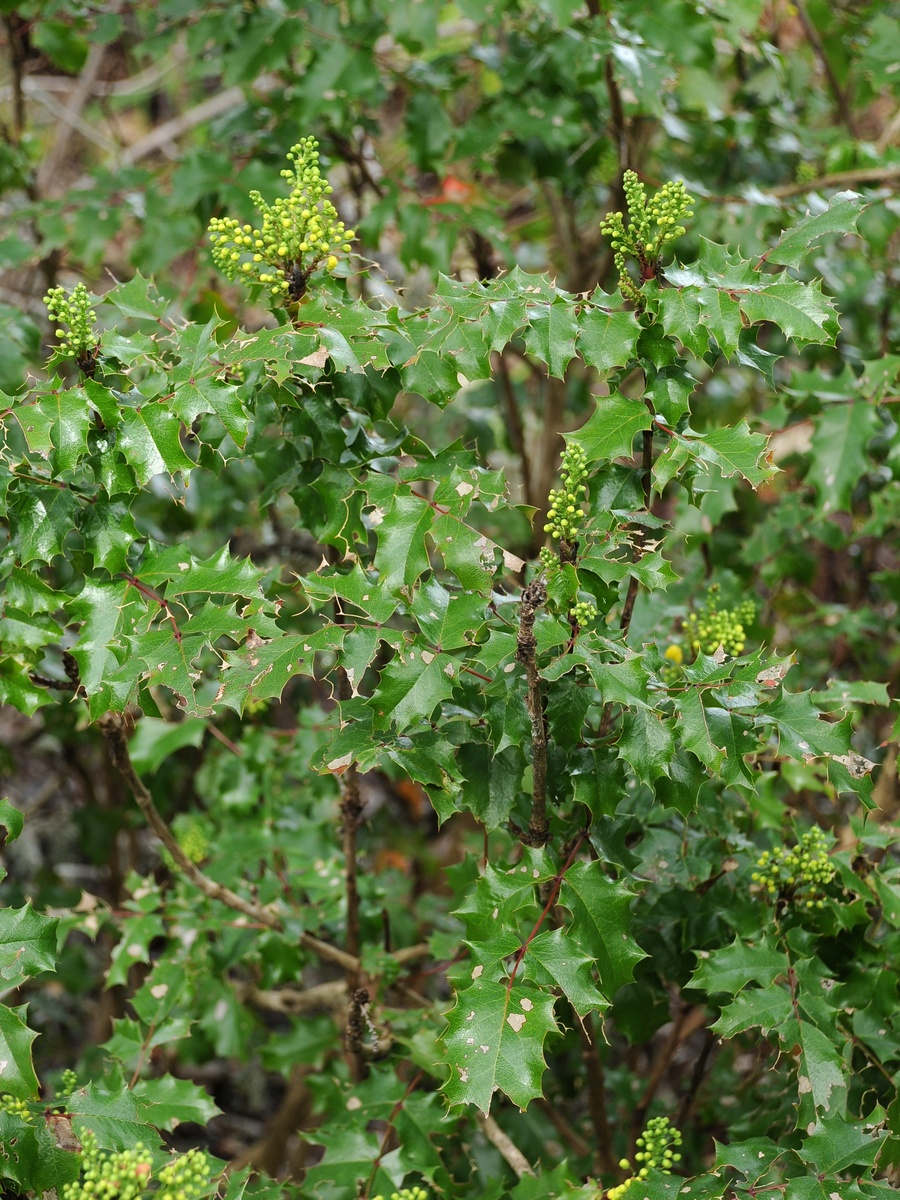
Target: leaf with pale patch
(601, 923)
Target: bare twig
(113, 727)
(514, 423)
(507, 1147)
(533, 597)
(818, 47)
(647, 481)
(596, 1089)
(573, 1139)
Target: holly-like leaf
(731, 968)
(801, 731)
(800, 310)
(12, 822)
(607, 339)
(646, 743)
(837, 1144)
(821, 1078)
(16, 1039)
(734, 450)
(694, 729)
(839, 461)
(550, 335)
(795, 244)
(115, 1116)
(495, 1040)
(610, 431)
(260, 668)
(449, 620)
(567, 969)
(167, 1101)
(601, 923)
(150, 439)
(412, 687)
(402, 556)
(30, 1157)
(492, 781)
(68, 416)
(765, 1008)
(27, 938)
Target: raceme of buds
(80, 339)
(583, 613)
(126, 1174)
(565, 512)
(799, 874)
(657, 1147)
(15, 1107)
(713, 627)
(652, 225)
(415, 1193)
(299, 233)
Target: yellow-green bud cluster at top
(80, 338)
(656, 1147)
(298, 234)
(713, 627)
(652, 225)
(126, 1174)
(565, 512)
(583, 613)
(800, 873)
(15, 1107)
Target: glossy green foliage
(501, 619)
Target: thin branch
(596, 1089)
(688, 1020)
(875, 175)
(507, 1147)
(113, 727)
(535, 595)
(514, 423)
(818, 46)
(14, 25)
(639, 537)
(570, 1136)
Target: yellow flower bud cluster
(67, 1084)
(656, 1147)
(125, 1175)
(298, 234)
(79, 341)
(652, 225)
(799, 874)
(415, 1193)
(565, 511)
(15, 1107)
(122, 1175)
(713, 627)
(583, 613)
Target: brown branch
(818, 47)
(113, 727)
(514, 423)
(538, 832)
(639, 537)
(687, 1021)
(570, 1136)
(15, 26)
(550, 444)
(507, 1147)
(596, 1089)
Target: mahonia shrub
(623, 944)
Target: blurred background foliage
(461, 139)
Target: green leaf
(734, 450)
(167, 1101)
(821, 1078)
(449, 620)
(766, 1008)
(647, 743)
(694, 729)
(41, 518)
(799, 310)
(601, 923)
(567, 969)
(495, 1040)
(611, 429)
(260, 668)
(801, 731)
(838, 455)
(795, 244)
(27, 938)
(12, 821)
(491, 781)
(550, 335)
(402, 556)
(669, 393)
(16, 1040)
(156, 740)
(731, 968)
(211, 396)
(607, 339)
(150, 439)
(68, 413)
(30, 1158)
(412, 687)
(115, 1116)
(838, 1144)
